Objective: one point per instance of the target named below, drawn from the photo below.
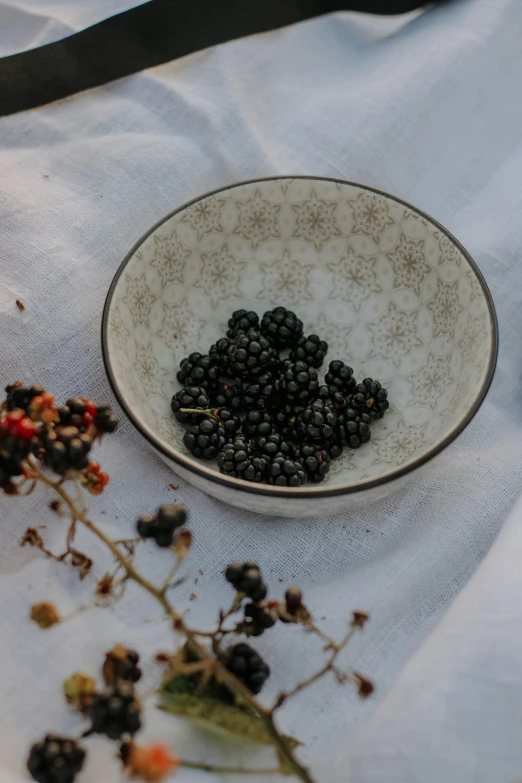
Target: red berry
(90, 408)
(26, 428)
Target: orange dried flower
(151, 763)
(45, 615)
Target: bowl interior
(391, 292)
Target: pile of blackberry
(255, 402)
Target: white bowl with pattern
(392, 292)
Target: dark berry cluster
(248, 666)
(247, 579)
(162, 526)
(115, 711)
(55, 760)
(67, 449)
(31, 426)
(256, 402)
(121, 664)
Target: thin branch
(170, 576)
(232, 770)
(328, 666)
(222, 673)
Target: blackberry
(55, 760)
(251, 354)
(247, 579)
(370, 397)
(115, 711)
(332, 396)
(315, 462)
(285, 421)
(206, 439)
(335, 447)
(260, 392)
(20, 396)
(198, 370)
(298, 383)
(317, 422)
(282, 327)
(220, 353)
(311, 350)
(105, 420)
(121, 664)
(66, 448)
(257, 423)
(354, 428)
(237, 460)
(194, 397)
(161, 527)
(229, 421)
(248, 666)
(227, 396)
(260, 618)
(242, 321)
(341, 377)
(285, 472)
(271, 445)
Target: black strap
(153, 33)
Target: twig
(328, 666)
(170, 576)
(222, 673)
(232, 770)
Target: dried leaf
(82, 562)
(183, 543)
(365, 687)
(359, 619)
(32, 537)
(105, 585)
(45, 615)
(79, 690)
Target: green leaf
(239, 721)
(217, 708)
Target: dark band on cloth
(151, 34)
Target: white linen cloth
(432, 114)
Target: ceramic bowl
(392, 292)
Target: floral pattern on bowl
(388, 288)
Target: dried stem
(204, 412)
(170, 576)
(232, 770)
(328, 666)
(221, 672)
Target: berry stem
(232, 770)
(170, 576)
(328, 666)
(222, 673)
(212, 412)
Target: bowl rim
(205, 472)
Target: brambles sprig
(215, 674)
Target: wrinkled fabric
(428, 111)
